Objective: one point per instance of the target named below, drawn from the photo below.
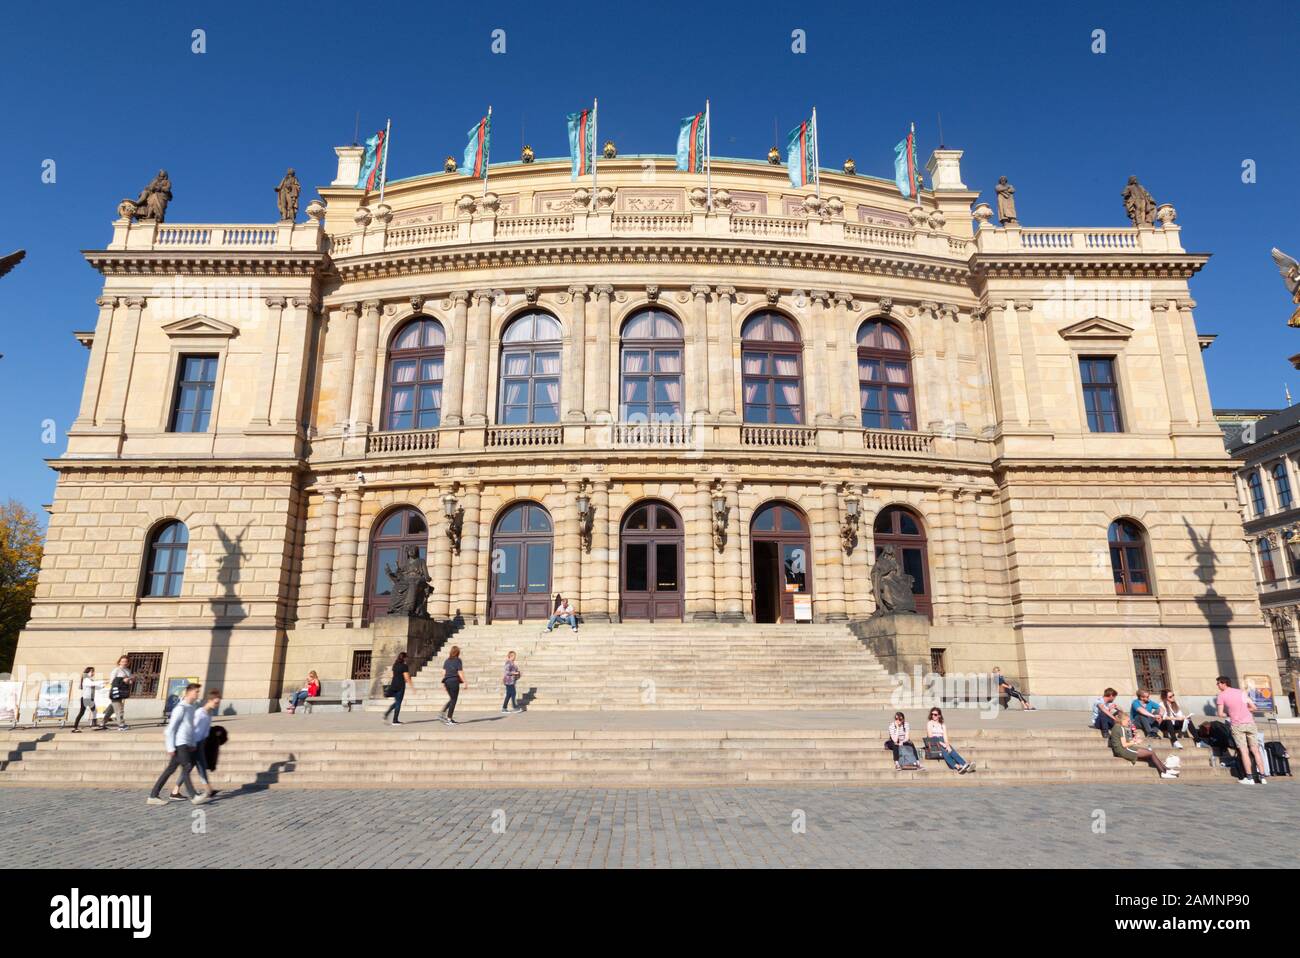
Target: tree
(20, 559)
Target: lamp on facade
(586, 519)
(455, 520)
(849, 524)
(720, 512)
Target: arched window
(651, 346)
(885, 377)
(165, 562)
(1282, 485)
(1256, 492)
(530, 370)
(413, 396)
(772, 366)
(392, 534)
(901, 527)
(1266, 566)
(1128, 558)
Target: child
(88, 686)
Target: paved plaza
(1057, 826)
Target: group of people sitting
(906, 757)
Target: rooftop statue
(287, 196)
(1138, 204)
(1290, 270)
(151, 205)
(1006, 203)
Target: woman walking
(88, 685)
(937, 732)
(453, 677)
(120, 681)
(401, 680)
(509, 678)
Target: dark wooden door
(781, 562)
(519, 565)
(651, 569)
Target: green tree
(20, 559)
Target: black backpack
(121, 689)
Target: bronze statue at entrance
(891, 586)
(411, 585)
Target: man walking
(179, 741)
(202, 729)
(1235, 707)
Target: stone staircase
(499, 754)
(631, 666)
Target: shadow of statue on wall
(1214, 608)
(227, 609)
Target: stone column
(600, 383)
(347, 328)
(1196, 364)
(574, 371)
(343, 587)
(725, 360)
(363, 400)
(820, 379)
(847, 404)
(94, 386)
(698, 358)
(323, 564)
(829, 592)
(123, 364)
(857, 565)
(1029, 361)
(702, 603)
(295, 336)
(990, 400)
(453, 393)
(976, 573)
(952, 367)
(567, 563)
(439, 561)
(595, 564)
(266, 363)
(465, 579)
(731, 586)
(958, 514)
(478, 347)
(1161, 318)
(1005, 401)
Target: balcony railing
(218, 236)
(524, 436)
(654, 434)
(797, 437)
(896, 440)
(401, 441)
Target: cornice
(1034, 265)
(206, 263)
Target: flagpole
(817, 178)
(487, 148)
(595, 146)
(708, 160)
(916, 174)
(383, 169)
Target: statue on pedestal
(1138, 204)
(152, 202)
(1290, 271)
(891, 586)
(411, 585)
(1006, 203)
(287, 197)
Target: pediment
(1097, 328)
(200, 325)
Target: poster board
(52, 701)
(1259, 689)
(102, 699)
(11, 698)
(175, 689)
(803, 611)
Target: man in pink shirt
(1235, 707)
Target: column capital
(134, 302)
(699, 291)
(846, 300)
(821, 296)
(979, 313)
(1159, 307)
(480, 295)
(352, 309)
(458, 296)
(106, 302)
(728, 292)
(372, 305)
(578, 290)
(603, 291)
(275, 302)
(949, 310)
(1187, 304)
(928, 306)
(298, 302)
(1022, 305)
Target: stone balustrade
(218, 237)
(1119, 239)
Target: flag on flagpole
(691, 146)
(373, 161)
(907, 174)
(801, 153)
(476, 150)
(582, 142)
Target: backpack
(932, 749)
(120, 689)
(907, 757)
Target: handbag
(388, 691)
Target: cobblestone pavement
(1049, 826)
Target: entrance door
(520, 564)
(650, 578)
(782, 565)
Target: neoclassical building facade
(661, 403)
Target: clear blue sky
(112, 92)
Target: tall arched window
(1256, 492)
(165, 560)
(392, 534)
(651, 346)
(413, 396)
(901, 527)
(773, 370)
(530, 370)
(885, 377)
(1282, 485)
(1128, 558)
(1267, 568)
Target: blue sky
(1183, 94)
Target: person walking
(453, 677)
(398, 686)
(202, 729)
(179, 741)
(937, 732)
(120, 681)
(88, 686)
(508, 679)
(1233, 705)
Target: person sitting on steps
(1004, 685)
(1145, 713)
(1104, 710)
(310, 689)
(1173, 721)
(564, 612)
(900, 733)
(1121, 747)
(937, 732)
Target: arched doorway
(519, 569)
(902, 528)
(782, 564)
(650, 571)
(394, 531)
